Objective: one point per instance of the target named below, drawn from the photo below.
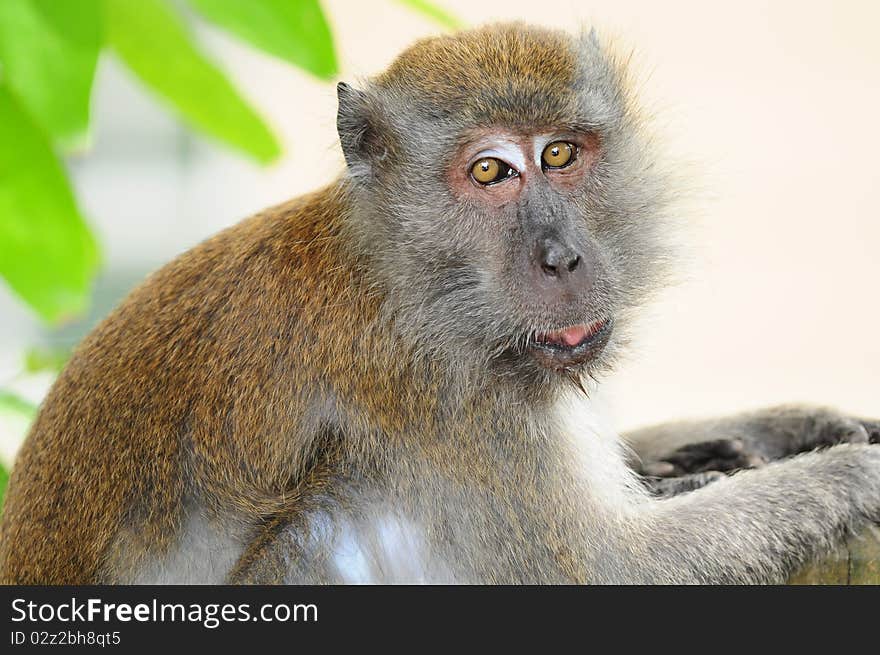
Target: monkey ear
(358, 130)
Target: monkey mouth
(571, 346)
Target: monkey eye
(489, 170)
(558, 154)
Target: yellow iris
(486, 170)
(558, 154)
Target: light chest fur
(394, 532)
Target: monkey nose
(561, 273)
(557, 260)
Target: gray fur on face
(449, 268)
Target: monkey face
(540, 252)
(506, 199)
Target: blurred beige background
(773, 105)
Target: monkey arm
(760, 525)
(744, 440)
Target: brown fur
(189, 389)
(484, 72)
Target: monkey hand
(751, 440)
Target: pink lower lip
(574, 335)
(570, 336)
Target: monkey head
(505, 198)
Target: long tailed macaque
(388, 380)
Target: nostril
(556, 259)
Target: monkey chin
(572, 347)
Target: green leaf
(47, 253)
(295, 30)
(41, 360)
(155, 44)
(435, 13)
(12, 404)
(48, 51)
